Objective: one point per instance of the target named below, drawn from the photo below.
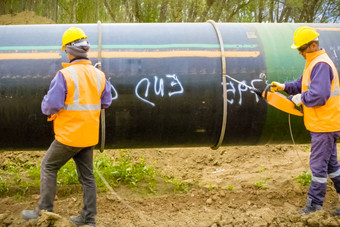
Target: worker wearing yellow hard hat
(318, 92)
(72, 34)
(303, 36)
(76, 96)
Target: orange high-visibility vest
(77, 123)
(324, 118)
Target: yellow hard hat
(303, 35)
(72, 34)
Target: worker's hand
(297, 100)
(277, 86)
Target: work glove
(296, 99)
(277, 86)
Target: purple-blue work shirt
(56, 95)
(320, 86)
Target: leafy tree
(141, 11)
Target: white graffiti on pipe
(174, 83)
(158, 87)
(253, 85)
(241, 89)
(146, 91)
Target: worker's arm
(320, 86)
(293, 87)
(106, 97)
(55, 98)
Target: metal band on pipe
(99, 66)
(224, 83)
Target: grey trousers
(56, 156)
(323, 162)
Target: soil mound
(52, 219)
(25, 17)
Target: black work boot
(310, 207)
(79, 221)
(337, 211)
(30, 215)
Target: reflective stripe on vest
(76, 106)
(336, 87)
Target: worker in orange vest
(317, 90)
(76, 96)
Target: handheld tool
(280, 101)
(257, 91)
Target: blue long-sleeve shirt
(320, 86)
(55, 98)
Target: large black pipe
(167, 82)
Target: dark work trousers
(323, 161)
(56, 156)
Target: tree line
(144, 11)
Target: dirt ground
(231, 186)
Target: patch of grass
(11, 167)
(304, 179)
(4, 188)
(261, 185)
(34, 173)
(307, 149)
(262, 169)
(23, 187)
(18, 196)
(135, 174)
(123, 170)
(179, 187)
(68, 174)
(230, 187)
